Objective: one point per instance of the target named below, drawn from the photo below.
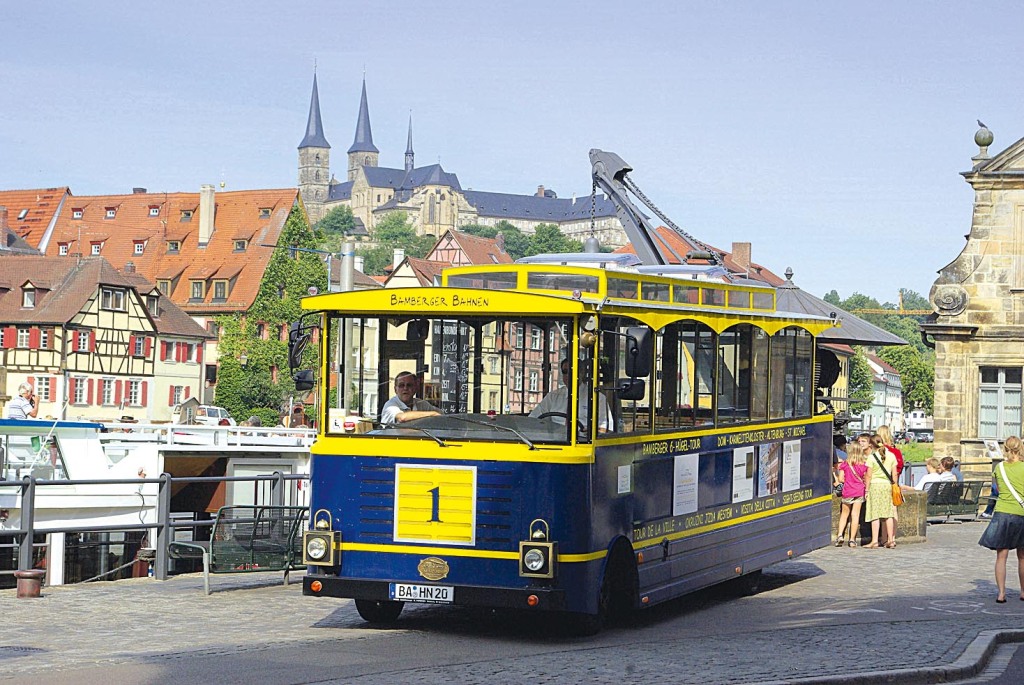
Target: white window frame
(535, 338)
(140, 346)
(94, 250)
(76, 213)
(62, 249)
(43, 389)
(28, 298)
(178, 394)
(23, 338)
(111, 213)
(534, 380)
(518, 380)
(154, 211)
(81, 389)
(82, 341)
(133, 393)
(1000, 395)
(113, 299)
(140, 247)
(107, 393)
(44, 338)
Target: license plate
(430, 594)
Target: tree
(917, 374)
(334, 229)
(861, 389)
(548, 239)
(393, 231)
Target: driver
(404, 406)
(557, 402)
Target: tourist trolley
(703, 462)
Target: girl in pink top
(851, 474)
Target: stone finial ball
(984, 137)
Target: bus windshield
(503, 378)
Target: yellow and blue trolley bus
(704, 461)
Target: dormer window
(62, 249)
(165, 286)
(220, 291)
(173, 246)
(28, 297)
(240, 245)
(22, 214)
(111, 213)
(186, 214)
(112, 299)
(154, 210)
(76, 213)
(264, 212)
(95, 249)
(153, 305)
(198, 290)
(140, 247)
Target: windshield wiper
(427, 433)
(519, 435)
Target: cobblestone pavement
(826, 616)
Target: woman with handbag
(1006, 529)
(881, 467)
(852, 474)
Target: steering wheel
(561, 414)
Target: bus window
(685, 376)
(792, 372)
(743, 352)
(632, 415)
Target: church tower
(314, 161)
(409, 156)
(363, 152)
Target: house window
(191, 352)
(264, 212)
(107, 391)
(81, 386)
(534, 381)
(198, 290)
(22, 214)
(23, 337)
(134, 393)
(44, 338)
(261, 331)
(173, 246)
(164, 286)
(213, 328)
(153, 305)
(186, 214)
(519, 380)
(111, 212)
(62, 249)
(240, 245)
(220, 290)
(999, 411)
(154, 211)
(494, 364)
(82, 341)
(139, 349)
(43, 389)
(140, 247)
(96, 248)
(76, 213)
(28, 298)
(177, 394)
(112, 299)
(535, 338)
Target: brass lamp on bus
(320, 542)
(538, 556)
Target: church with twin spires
(431, 197)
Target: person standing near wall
(1006, 529)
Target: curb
(969, 664)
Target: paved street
(836, 612)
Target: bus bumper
(546, 599)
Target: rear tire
(379, 612)
(615, 599)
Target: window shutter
(53, 387)
(182, 349)
(33, 338)
(72, 382)
(31, 380)
(88, 394)
(144, 385)
(131, 345)
(188, 391)
(170, 396)
(51, 340)
(10, 337)
(199, 353)
(92, 341)
(147, 346)
(117, 392)
(163, 350)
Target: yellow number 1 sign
(435, 504)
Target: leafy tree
(917, 373)
(393, 231)
(548, 238)
(832, 298)
(861, 390)
(334, 228)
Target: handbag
(897, 494)
(837, 489)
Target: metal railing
(269, 489)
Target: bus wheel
(383, 611)
(614, 600)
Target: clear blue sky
(830, 135)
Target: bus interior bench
(955, 500)
(246, 539)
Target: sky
(831, 136)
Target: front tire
(379, 612)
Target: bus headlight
(318, 547)
(537, 556)
(534, 560)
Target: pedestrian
(881, 467)
(1006, 529)
(885, 436)
(852, 474)
(24, 406)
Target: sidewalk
(918, 607)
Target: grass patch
(916, 452)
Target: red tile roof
(237, 213)
(682, 246)
(39, 205)
(480, 250)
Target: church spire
(314, 126)
(364, 136)
(409, 156)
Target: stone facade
(978, 325)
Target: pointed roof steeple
(364, 136)
(409, 156)
(408, 145)
(314, 127)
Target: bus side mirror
(633, 389)
(304, 380)
(297, 339)
(639, 351)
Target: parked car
(210, 415)
(926, 437)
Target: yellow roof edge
(444, 300)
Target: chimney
(399, 257)
(129, 267)
(3, 217)
(358, 263)
(741, 255)
(138, 191)
(207, 208)
(500, 240)
(540, 191)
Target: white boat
(55, 451)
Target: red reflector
(533, 600)
(350, 425)
(316, 586)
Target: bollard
(29, 582)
